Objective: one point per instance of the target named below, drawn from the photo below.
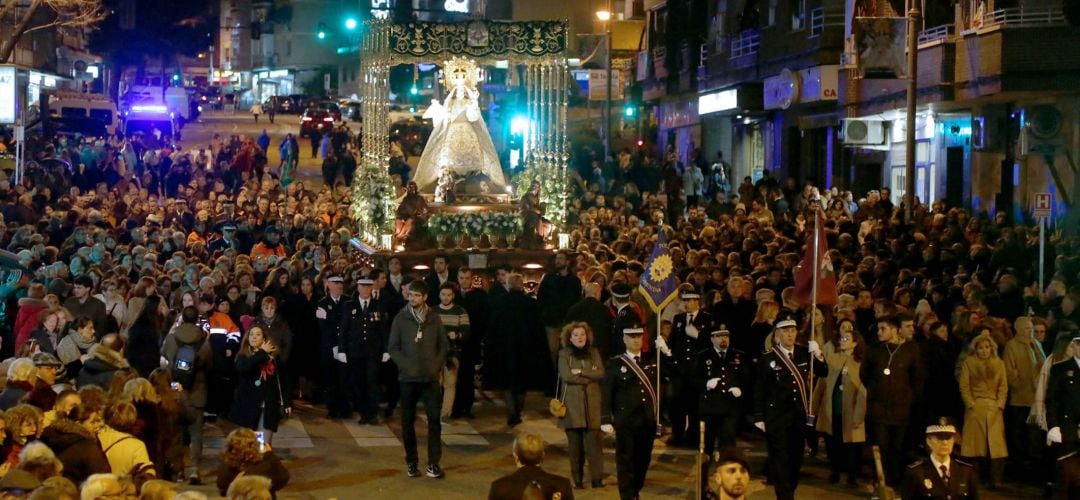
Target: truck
(80, 105)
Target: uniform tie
(637, 360)
(945, 474)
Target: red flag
(825, 277)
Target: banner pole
(659, 426)
(813, 301)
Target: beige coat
(1023, 360)
(844, 370)
(581, 393)
(983, 388)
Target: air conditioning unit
(859, 131)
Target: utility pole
(913, 15)
(607, 16)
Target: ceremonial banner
(658, 284)
(823, 282)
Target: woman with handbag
(260, 402)
(580, 371)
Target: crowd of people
(152, 270)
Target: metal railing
(745, 43)
(819, 20)
(1020, 17)
(937, 33)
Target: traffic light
(350, 23)
(629, 110)
(321, 31)
(414, 90)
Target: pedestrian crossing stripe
(371, 435)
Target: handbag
(556, 405)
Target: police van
(65, 104)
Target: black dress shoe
(598, 483)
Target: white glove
(339, 356)
(760, 425)
(385, 357)
(711, 384)
(735, 391)
(662, 345)
(608, 429)
(1053, 436)
(691, 331)
(320, 313)
(815, 349)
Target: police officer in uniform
(363, 328)
(629, 410)
(688, 339)
(940, 476)
(720, 373)
(627, 314)
(1063, 401)
(329, 313)
(782, 402)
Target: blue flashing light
(519, 124)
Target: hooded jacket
(77, 448)
(26, 320)
(189, 333)
(100, 366)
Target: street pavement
(342, 459)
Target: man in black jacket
(361, 345)
(1063, 400)
(689, 336)
(720, 373)
(595, 314)
(559, 289)
(329, 313)
(782, 402)
(529, 454)
(940, 475)
(894, 374)
(629, 410)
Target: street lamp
(605, 17)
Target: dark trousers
(1023, 441)
(843, 457)
(391, 392)
(633, 452)
(582, 445)
(363, 384)
(515, 403)
(684, 418)
(720, 427)
(335, 380)
(784, 443)
(890, 440)
(431, 395)
(465, 392)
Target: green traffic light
(629, 111)
(322, 35)
(414, 90)
(350, 23)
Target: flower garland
(475, 224)
(373, 200)
(554, 190)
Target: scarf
(420, 315)
(68, 355)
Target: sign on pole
(8, 95)
(598, 85)
(1042, 205)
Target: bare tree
(70, 13)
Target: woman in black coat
(299, 310)
(144, 337)
(261, 399)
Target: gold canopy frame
(537, 47)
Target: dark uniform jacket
(626, 399)
(628, 317)
(511, 487)
(363, 331)
(778, 399)
(684, 348)
(1063, 399)
(1068, 483)
(732, 372)
(921, 480)
(331, 326)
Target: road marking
(371, 435)
(459, 433)
(291, 434)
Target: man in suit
(364, 328)
(474, 299)
(440, 274)
(719, 374)
(529, 454)
(940, 476)
(329, 313)
(688, 338)
(1063, 400)
(390, 301)
(595, 314)
(395, 277)
(629, 410)
(781, 404)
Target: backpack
(183, 367)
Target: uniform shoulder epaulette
(1066, 456)
(961, 462)
(915, 464)
(1062, 361)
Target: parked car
(319, 118)
(282, 104)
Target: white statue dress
(459, 140)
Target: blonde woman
(983, 388)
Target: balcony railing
(935, 34)
(745, 43)
(1019, 17)
(819, 20)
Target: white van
(81, 105)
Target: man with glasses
(418, 345)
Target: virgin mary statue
(459, 140)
